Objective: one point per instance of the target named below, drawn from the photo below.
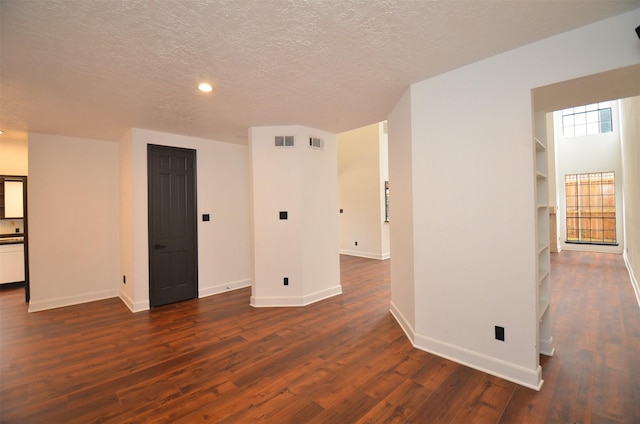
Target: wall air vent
(284, 141)
(317, 143)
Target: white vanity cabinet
(11, 263)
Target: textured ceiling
(95, 68)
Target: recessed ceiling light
(205, 87)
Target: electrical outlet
(286, 281)
(499, 333)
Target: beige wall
(73, 220)
(630, 135)
(224, 242)
(13, 157)
(302, 181)
(470, 197)
(362, 170)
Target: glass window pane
(593, 128)
(580, 130)
(580, 118)
(605, 114)
(567, 111)
(592, 116)
(602, 105)
(568, 131)
(605, 127)
(591, 211)
(579, 109)
(592, 107)
(567, 120)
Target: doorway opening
(14, 250)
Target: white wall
(384, 176)
(589, 153)
(73, 220)
(473, 196)
(303, 248)
(630, 135)
(14, 156)
(554, 238)
(403, 301)
(362, 171)
(224, 243)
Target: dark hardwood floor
(342, 360)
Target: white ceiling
(95, 68)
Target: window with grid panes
(586, 120)
(590, 208)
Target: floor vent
(317, 143)
(284, 141)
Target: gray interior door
(172, 225)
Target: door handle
(159, 246)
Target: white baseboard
(289, 301)
(133, 306)
(368, 255)
(35, 306)
(403, 322)
(634, 280)
(546, 347)
(505, 370)
(221, 288)
(487, 364)
(571, 247)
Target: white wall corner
(531, 378)
(322, 294)
(272, 301)
(634, 280)
(221, 288)
(403, 322)
(294, 301)
(133, 306)
(71, 300)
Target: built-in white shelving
(542, 237)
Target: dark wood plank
(343, 360)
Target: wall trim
(133, 306)
(222, 288)
(591, 248)
(505, 370)
(289, 301)
(487, 364)
(71, 300)
(403, 322)
(369, 255)
(634, 280)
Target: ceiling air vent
(317, 143)
(284, 141)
